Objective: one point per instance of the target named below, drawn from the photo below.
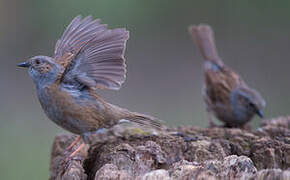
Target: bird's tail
(146, 121)
(203, 36)
(134, 117)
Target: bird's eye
(37, 61)
(252, 106)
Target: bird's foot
(212, 125)
(66, 163)
(246, 126)
(210, 119)
(69, 157)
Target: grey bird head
(43, 70)
(246, 103)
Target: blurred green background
(164, 67)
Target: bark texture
(192, 153)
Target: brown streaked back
(221, 83)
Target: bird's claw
(67, 161)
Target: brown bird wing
(92, 54)
(220, 84)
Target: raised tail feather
(203, 36)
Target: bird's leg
(247, 126)
(208, 108)
(73, 144)
(210, 119)
(77, 150)
(68, 149)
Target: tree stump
(191, 153)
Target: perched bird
(225, 93)
(87, 57)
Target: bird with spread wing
(88, 56)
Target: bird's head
(42, 69)
(247, 102)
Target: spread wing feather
(97, 54)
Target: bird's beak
(24, 64)
(260, 113)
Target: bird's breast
(76, 114)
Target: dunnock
(87, 57)
(225, 93)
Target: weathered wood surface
(195, 153)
